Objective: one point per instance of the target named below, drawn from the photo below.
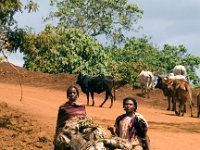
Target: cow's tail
(114, 89)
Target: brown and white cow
(182, 92)
(165, 83)
(167, 90)
(145, 79)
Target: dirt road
(41, 101)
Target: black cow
(168, 91)
(198, 104)
(97, 84)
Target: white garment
(124, 127)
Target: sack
(108, 144)
(76, 132)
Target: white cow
(170, 74)
(177, 77)
(179, 70)
(145, 79)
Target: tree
(171, 56)
(60, 50)
(97, 17)
(139, 54)
(7, 10)
(9, 33)
(136, 55)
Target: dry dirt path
(167, 131)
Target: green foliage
(139, 54)
(196, 86)
(7, 9)
(58, 50)
(10, 7)
(97, 17)
(171, 56)
(16, 38)
(135, 56)
(31, 6)
(8, 28)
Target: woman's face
(129, 106)
(72, 95)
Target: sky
(174, 22)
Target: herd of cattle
(175, 87)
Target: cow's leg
(112, 99)
(191, 107)
(168, 98)
(179, 108)
(198, 112)
(182, 107)
(148, 92)
(175, 107)
(142, 91)
(92, 95)
(173, 103)
(109, 94)
(145, 92)
(88, 97)
(185, 108)
(198, 105)
(106, 97)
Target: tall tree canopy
(60, 50)
(9, 33)
(8, 8)
(97, 17)
(136, 55)
(171, 56)
(139, 54)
